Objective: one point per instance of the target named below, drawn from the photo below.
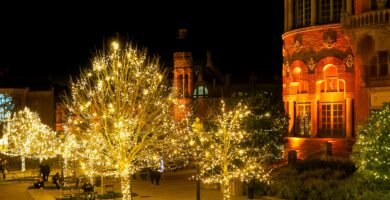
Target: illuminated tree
(267, 124)
(226, 154)
(28, 137)
(120, 113)
(372, 148)
(68, 148)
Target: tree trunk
(23, 164)
(126, 187)
(197, 182)
(102, 183)
(226, 189)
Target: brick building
(335, 70)
(200, 85)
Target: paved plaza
(173, 186)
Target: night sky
(57, 41)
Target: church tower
(182, 72)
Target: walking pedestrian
(251, 188)
(152, 176)
(4, 168)
(157, 177)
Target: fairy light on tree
(267, 124)
(372, 148)
(28, 137)
(225, 155)
(69, 151)
(120, 113)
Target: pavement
(173, 186)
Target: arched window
(330, 71)
(331, 81)
(201, 91)
(297, 74)
(180, 86)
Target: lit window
(6, 107)
(201, 91)
(303, 120)
(332, 120)
(332, 83)
(297, 74)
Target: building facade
(335, 70)
(199, 85)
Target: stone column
(290, 15)
(291, 114)
(190, 84)
(349, 7)
(183, 86)
(285, 15)
(313, 12)
(314, 120)
(175, 84)
(348, 118)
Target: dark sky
(57, 40)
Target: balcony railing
(368, 18)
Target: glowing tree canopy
(372, 148)
(120, 113)
(29, 137)
(226, 155)
(267, 124)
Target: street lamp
(197, 128)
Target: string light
(371, 150)
(120, 114)
(28, 137)
(221, 153)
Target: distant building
(16, 93)
(335, 70)
(198, 84)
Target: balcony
(367, 19)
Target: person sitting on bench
(39, 183)
(56, 180)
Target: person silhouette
(152, 175)
(251, 189)
(4, 168)
(56, 180)
(39, 183)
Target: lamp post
(197, 128)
